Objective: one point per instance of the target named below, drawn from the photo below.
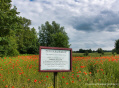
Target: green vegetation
(94, 54)
(53, 35)
(87, 72)
(15, 34)
(116, 46)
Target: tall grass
(95, 54)
(88, 72)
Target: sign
(54, 59)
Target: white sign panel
(52, 59)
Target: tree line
(100, 50)
(16, 37)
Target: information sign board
(55, 59)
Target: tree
(86, 53)
(15, 33)
(117, 46)
(113, 51)
(99, 50)
(26, 38)
(53, 35)
(8, 18)
(33, 48)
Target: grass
(88, 72)
(95, 54)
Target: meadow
(93, 71)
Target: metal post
(55, 79)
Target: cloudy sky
(90, 24)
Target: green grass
(22, 72)
(95, 54)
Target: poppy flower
(35, 80)
(6, 86)
(47, 76)
(79, 71)
(67, 83)
(77, 75)
(63, 77)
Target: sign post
(55, 59)
(55, 79)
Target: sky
(89, 24)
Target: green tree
(99, 50)
(86, 53)
(117, 46)
(53, 35)
(8, 18)
(33, 48)
(113, 51)
(15, 33)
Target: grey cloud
(105, 21)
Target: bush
(86, 53)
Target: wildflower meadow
(87, 72)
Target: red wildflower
(6, 86)
(47, 76)
(28, 79)
(77, 75)
(63, 77)
(99, 79)
(82, 66)
(39, 82)
(12, 86)
(85, 73)
(67, 83)
(19, 73)
(35, 80)
(72, 81)
(79, 71)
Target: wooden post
(55, 79)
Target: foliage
(117, 46)
(26, 38)
(15, 35)
(53, 35)
(99, 50)
(113, 51)
(86, 53)
(83, 50)
(8, 17)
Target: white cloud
(89, 23)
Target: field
(92, 71)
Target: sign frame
(55, 48)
